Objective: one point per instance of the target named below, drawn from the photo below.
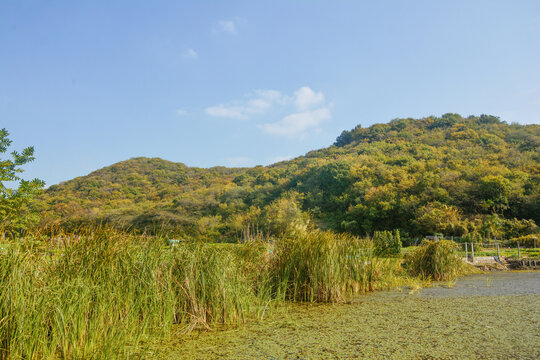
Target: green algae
(478, 323)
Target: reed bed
(436, 260)
(103, 294)
(323, 266)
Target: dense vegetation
(470, 177)
(104, 294)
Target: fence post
(472, 251)
(466, 252)
(519, 252)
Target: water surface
(488, 316)
(493, 284)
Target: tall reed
(103, 294)
(323, 266)
(437, 260)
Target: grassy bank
(105, 294)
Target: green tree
(14, 213)
(494, 191)
(439, 218)
(284, 215)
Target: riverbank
(488, 316)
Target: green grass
(511, 253)
(104, 295)
(323, 266)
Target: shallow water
(488, 316)
(493, 284)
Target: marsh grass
(436, 260)
(103, 294)
(323, 266)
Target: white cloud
(228, 26)
(238, 161)
(305, 98)
(181, 112)
(298, 123)
(190, 54)
(257, 102)
(306, 109)
(235, 112)
(270, 95)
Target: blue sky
(241, 83)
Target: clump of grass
(323, 266)
(436, 260)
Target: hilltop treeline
(468, 177)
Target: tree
(494, 192)
(439, 218)
(14, 213)
(284, 215)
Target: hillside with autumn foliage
(475, 177)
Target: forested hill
(475, 176)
